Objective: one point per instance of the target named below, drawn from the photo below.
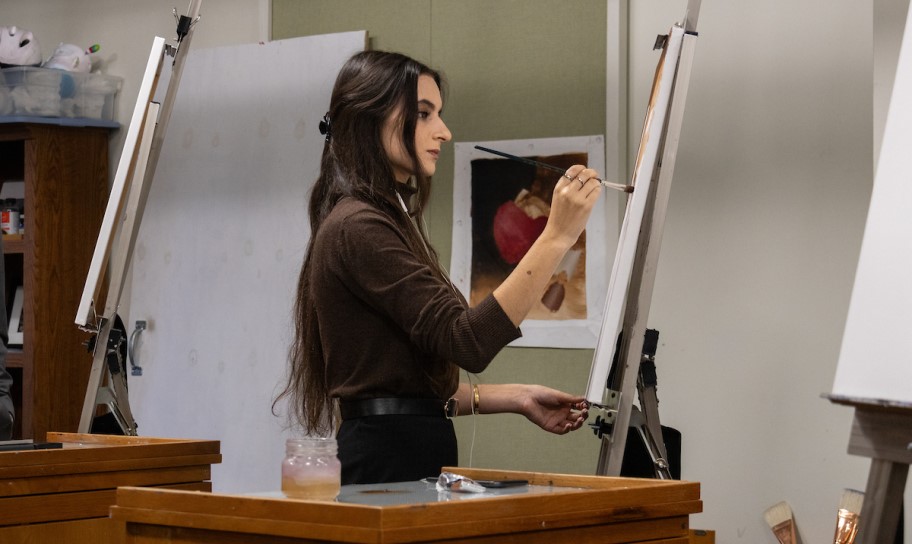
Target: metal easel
(616, 411)
(142, 146)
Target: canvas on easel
(620, 345)
(875, 363)
(117, 236)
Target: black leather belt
(352, 409)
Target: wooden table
(553, 509)
(63, 496)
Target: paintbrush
(608, 184)
(847, 516)
(779, 518)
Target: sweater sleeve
(382, 270)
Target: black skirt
(395, 448)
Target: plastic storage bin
(46, 92)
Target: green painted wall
(516, 69)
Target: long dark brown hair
(371, 87)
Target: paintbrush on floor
(779, 517)
(847, 516)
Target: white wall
(764, 227)
(889, 22)
(763, 231)
(125, 30)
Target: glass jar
(311, 469)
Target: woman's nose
(443, 133)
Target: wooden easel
(882, 431)
(632, 285)
(135, 171)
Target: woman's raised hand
(575, 194)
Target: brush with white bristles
(847, 516)
(779, 517)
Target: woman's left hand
(553, 410)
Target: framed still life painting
(500, 206)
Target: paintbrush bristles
(616, 186)
(779, 518)
(847, 516)
(852, 500)
(778, 513)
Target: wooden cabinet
(65, 170)
(64, 495)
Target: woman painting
(380, 329)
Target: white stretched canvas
(616, 299)
(85, 314)
(875, 363)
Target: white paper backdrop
(221, 245)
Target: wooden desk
(554, 509)
(64, 495)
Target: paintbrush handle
(607, 184)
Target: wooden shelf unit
(65, 170)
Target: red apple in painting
(515, 231)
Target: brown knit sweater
(389, 328)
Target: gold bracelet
(476, 399)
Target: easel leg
(883, 502)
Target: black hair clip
(326, 127)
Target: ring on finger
(582, 182)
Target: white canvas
(85, 315)
(616, 299)
(875, 362)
